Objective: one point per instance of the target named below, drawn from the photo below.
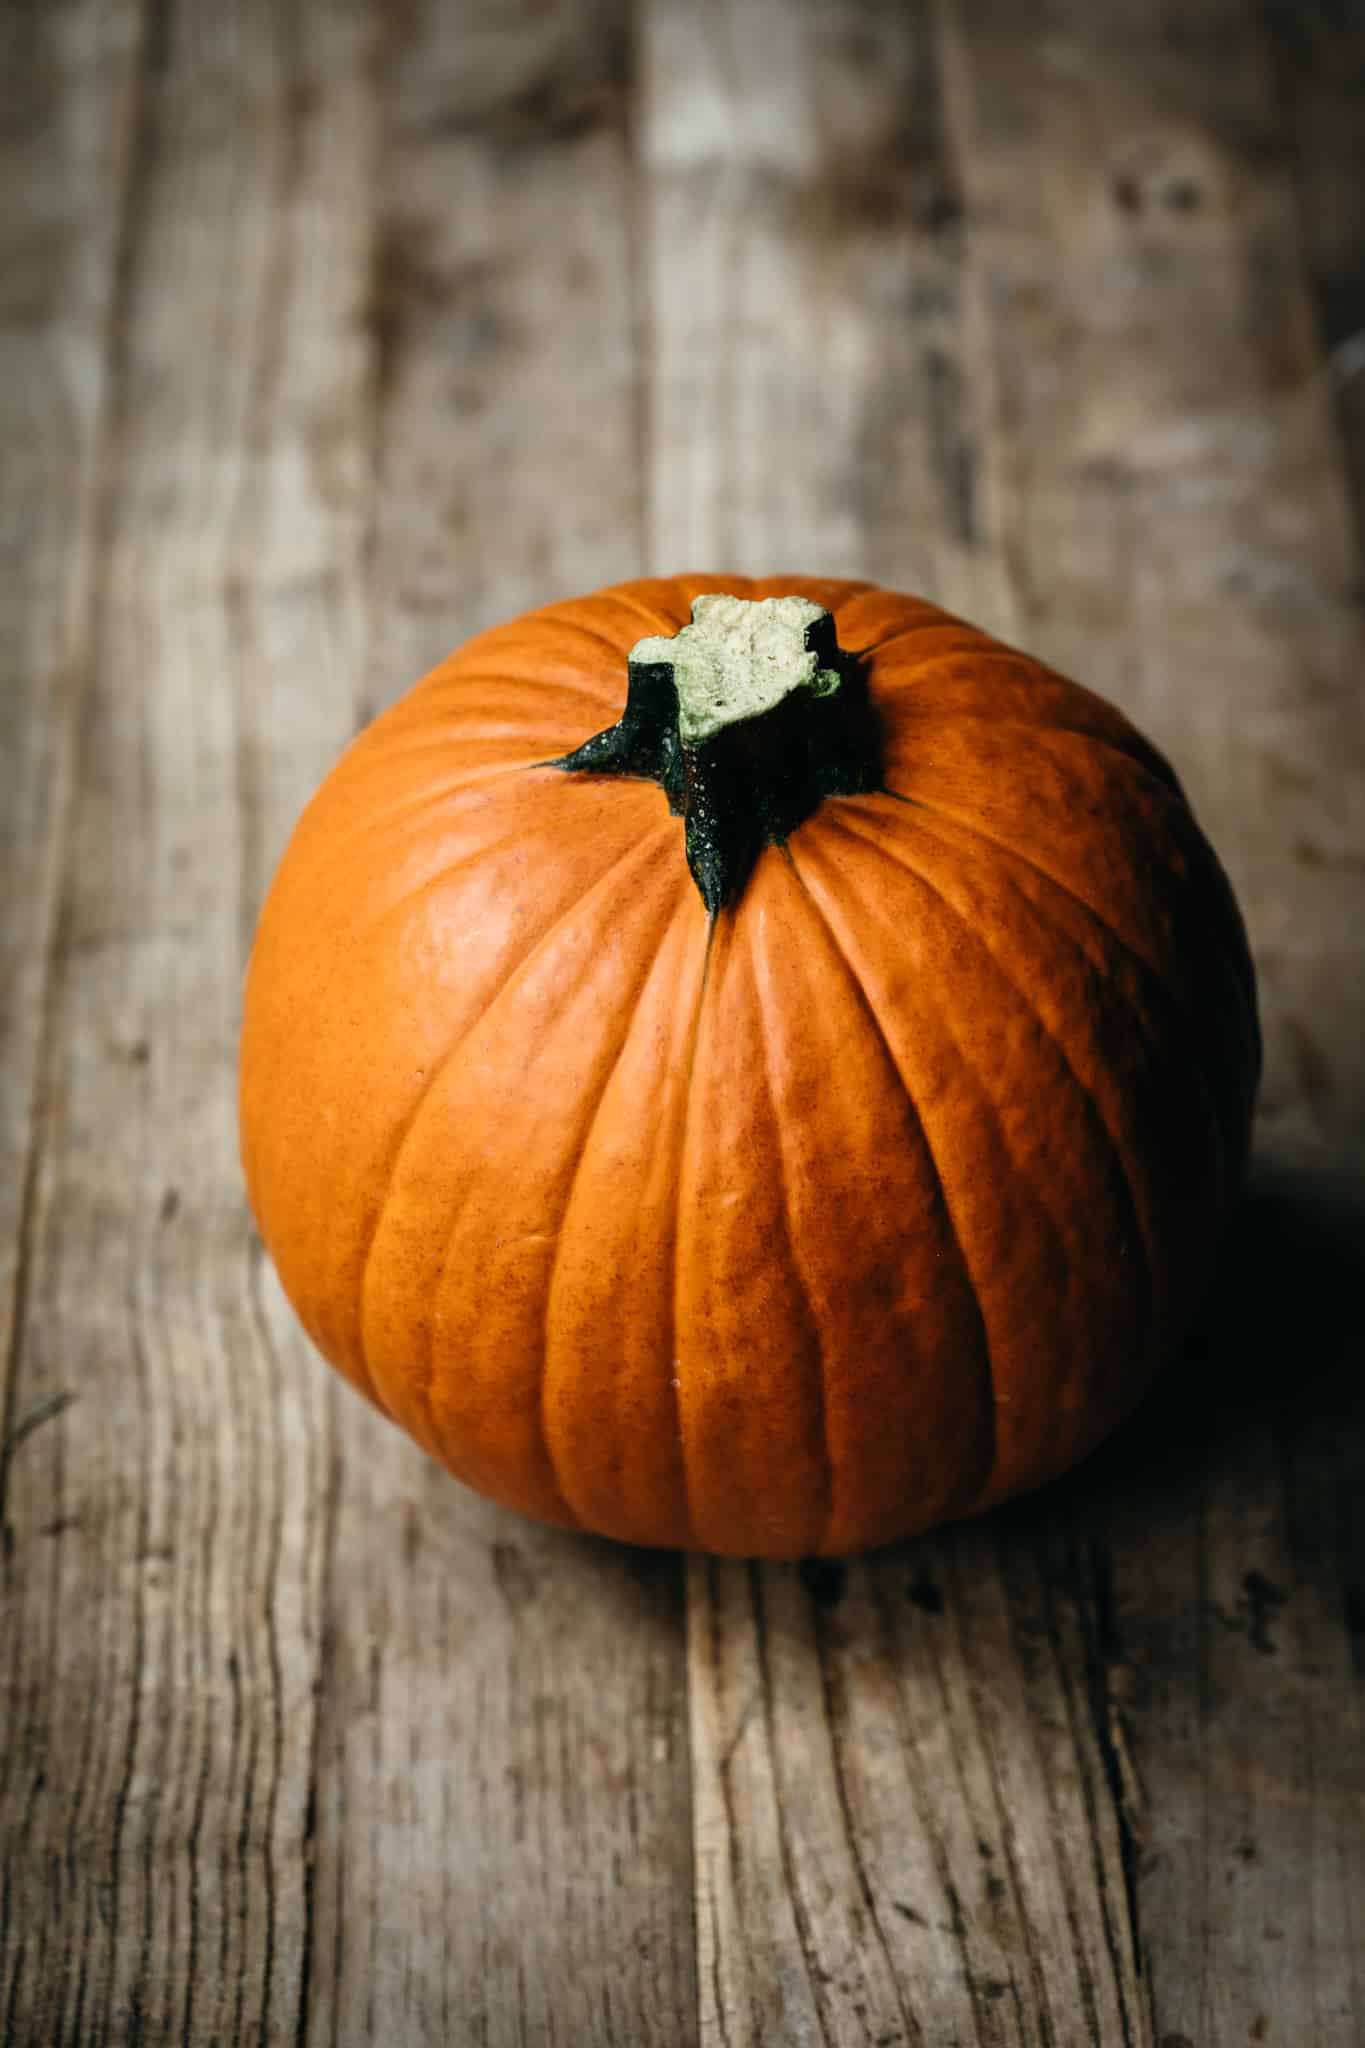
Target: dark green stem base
(755, 780)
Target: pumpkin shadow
(1267, 1397)
(1271, 1367)
(1274, 1348)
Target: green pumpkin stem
(748, 719)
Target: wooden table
(333, 331)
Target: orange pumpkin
(801, 1114)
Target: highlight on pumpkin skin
(748, 718)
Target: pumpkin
(757, 1066)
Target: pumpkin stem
(748, 718)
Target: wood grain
(1157, 491)
(1169, 485)
(905, 1826)
(890, 1847)
(503, 317)
(803, 248)
(1170, 494)
(330, 333)
(68, 95)
(502, 1835)
(1317, 52)
(168, 1523)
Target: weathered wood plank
(904, 1820)
(68, 89)
(504, 321)
(1223, 1541)
(1168, 484)
(805, 305)
(1168, 478)
(169, 1521)
(1318, 53)
(503, 1837)
(300, 1742)
(906, 1830)
(1159, 487)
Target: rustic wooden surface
(330, 332)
